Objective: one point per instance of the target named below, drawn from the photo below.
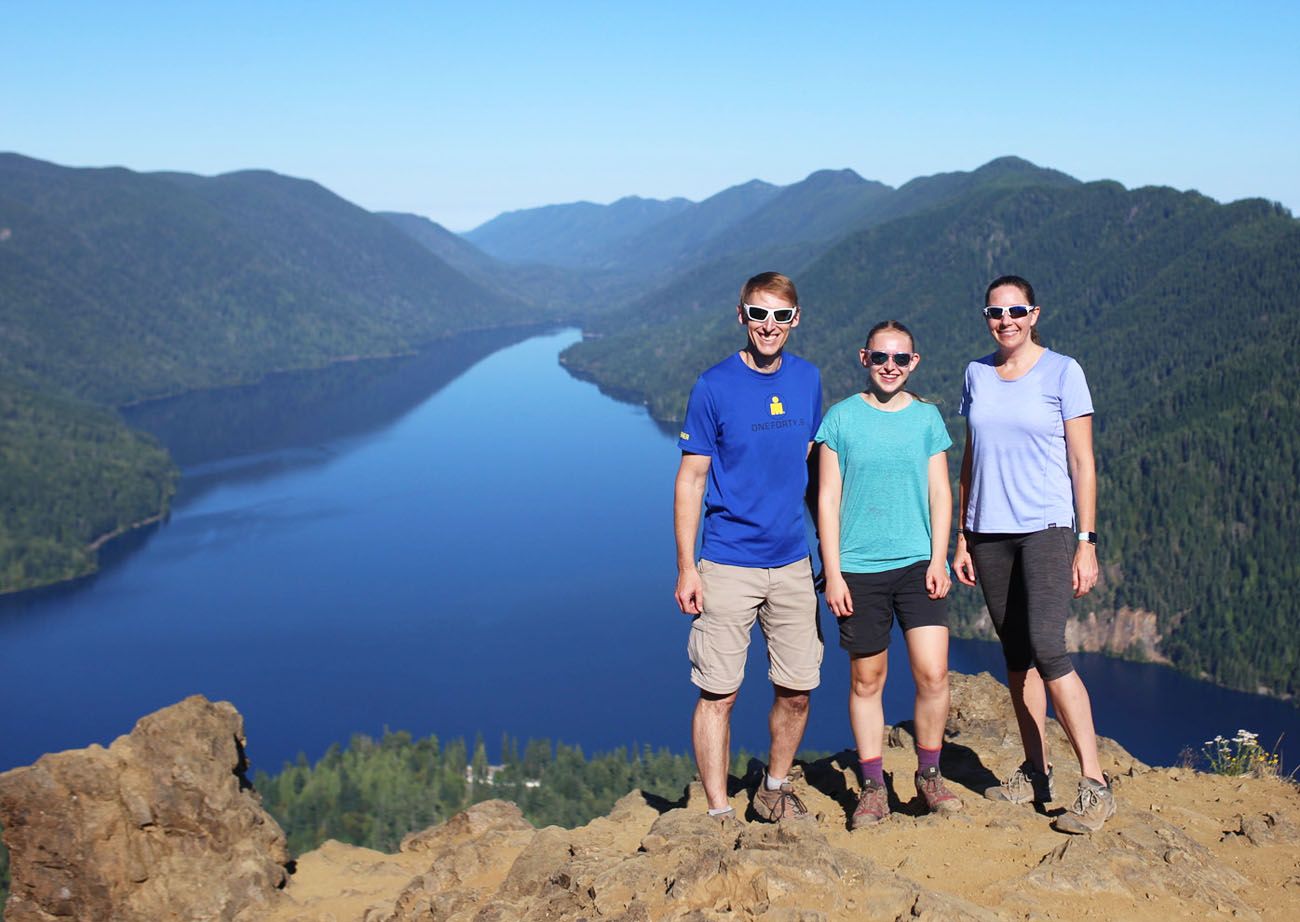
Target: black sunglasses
(1015, 311)
(901, 359)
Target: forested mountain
(1183, 313)
(575, 235)
(680, 239)
(118, 286)
(562, 294)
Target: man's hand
(690, 591)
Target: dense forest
(373, 792)
(90, 475)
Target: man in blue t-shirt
(749, 427)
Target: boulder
(162, 824)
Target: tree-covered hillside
(118, 286)
(1185, 315)
(70, 474)
(374, 792)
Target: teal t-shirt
(884, 464)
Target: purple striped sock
(872, 770)
(925, 758)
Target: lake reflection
(465, 541)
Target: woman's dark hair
(1025, 288)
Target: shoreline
(118, 532)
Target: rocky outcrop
(1124, 632)
(1183, 845)
(1132, 632)
(160, 825)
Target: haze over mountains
(118, 286)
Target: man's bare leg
(786, 721)
(711, 734)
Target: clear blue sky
(460, 111)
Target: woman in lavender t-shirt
(1028, 497)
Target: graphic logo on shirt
(776, 408)
(684, 436)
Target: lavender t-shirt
(1020, 481)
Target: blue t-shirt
(756, 428)
(884, 459)
(1020, 478)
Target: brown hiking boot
(931, 787)
(1090, 810)
(873, 806)
(782, 804)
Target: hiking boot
(1026, 785)
(873, 806)
(782, 804)
(930, 786)
(1094, 805)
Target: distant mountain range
(118, 286)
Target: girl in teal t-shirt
(884, 514)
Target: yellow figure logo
(776, 409)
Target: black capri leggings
(1027, 583)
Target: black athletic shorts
(878, 597)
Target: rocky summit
(135, 832)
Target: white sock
(774, 784)
(718, 811)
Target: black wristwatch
(1089, 536)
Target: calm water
(466, 541)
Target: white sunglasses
(757, 314)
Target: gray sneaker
(781, 804)
(1094, 805)
(1026, 785)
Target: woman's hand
(962, 564)
(937, 580)
(838, 598)
(1086, 570)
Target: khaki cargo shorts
(783, 601)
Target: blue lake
(465, 541)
